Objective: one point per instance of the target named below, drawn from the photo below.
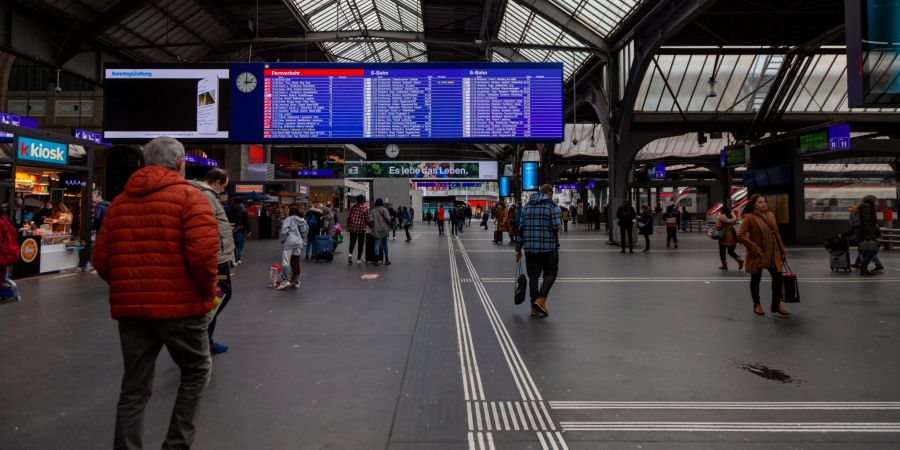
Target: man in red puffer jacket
(158, 251)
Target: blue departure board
(480, 102)
(334, 102)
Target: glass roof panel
(522, 25)
(742, 83)
(374, 15)
(602, 16)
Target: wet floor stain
(764, 371)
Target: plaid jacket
(539, 225)
(357, 217)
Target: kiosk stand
(50, 197)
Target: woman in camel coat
(765, 250)
(725, 222)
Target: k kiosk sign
(42, 151)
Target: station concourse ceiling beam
(87, 33)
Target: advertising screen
(505, 186)
(188, 103)
(530, 176)
(336, 103)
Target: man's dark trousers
(537, 263)
(142, 339)
(630, 240)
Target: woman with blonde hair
(765, 250)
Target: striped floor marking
(513, 415)
(736, 427)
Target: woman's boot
(724, 265)
(740, 264)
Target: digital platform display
(505, 188)
(530, 176)
(337, 103)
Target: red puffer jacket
(158, 248)
(9, 243)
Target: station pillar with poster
(50, 198)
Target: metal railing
(889, 237)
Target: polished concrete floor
(657, 350)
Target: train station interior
(654, 158)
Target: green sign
(478, 170)
(735, 156)
(813, 142)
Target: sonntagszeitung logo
(42, 151)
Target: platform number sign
(839, 137)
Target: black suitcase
(840, 260)
(498, 236)
(370, 250)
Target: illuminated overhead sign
(472, 170)
(42, 151)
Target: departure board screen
(335, 103)
(483, 102)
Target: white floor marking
(503, 415)
(472, 441)
(521, 416)
(552, 441)
(496, 418)
(710, 406)
(562, 442)
(481, 440)
(737, 427)
(490, 439)
(487, 417)
(510, 352)
(547, 415)
(543, 442)
(695, 280)
(469, 414)
(538, 414)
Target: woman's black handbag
(521, 283)
(791, 289)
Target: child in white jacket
(293, 240)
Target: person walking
(380, 228)
(538, 237)
(357, 218)
(645, 226)
(484, 219)
(565, 219)
(765, 250)
(100, 206)
(513, 213)
(671, 220)
(9, 253)
(158, 251)
(294, 235)
(867, 234)
(393, 214)
(240, 227)
(468, 217)
(314, 222)
(329, 226)
(439, 219)
(406, 220)
(725, 222)
(502, 222)
(625, 216)
(212, 185)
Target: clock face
(392, 151)
(246, 82)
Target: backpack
(312, 221)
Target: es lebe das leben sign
(470, 170)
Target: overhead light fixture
(712, 87)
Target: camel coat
(754, 232)
(730, 237)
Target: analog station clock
(246, 82)
(392, 151)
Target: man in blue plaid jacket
(538, 236)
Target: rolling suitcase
(370, 250)
(840, 260)
(323, 248)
